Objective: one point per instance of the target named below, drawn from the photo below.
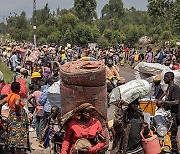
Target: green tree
(41, 41)
(52, 21)
(2, 28)
(133, 34)
(176, 16)
(18, 27)
(167, 10)
(53, 38)
(85, 10)
(83, 34)
(41, 16)
(165, 35)
(108, 34)
(95, 34)
(159, 7)
(114, 8)
(102, 42)
(67, 20)
(68, 36)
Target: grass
(8, 74)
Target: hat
(157, 78)
(35, 75)
(62, 51)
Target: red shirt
(77, 131)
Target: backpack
(23, 89)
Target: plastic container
(148, 107)
(151, 145)
(147, 119)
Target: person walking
(172, 103)
(149, 56)
(17, 121)
(127, 125)
(14, 61)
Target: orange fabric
(10, 99)
(112, 72)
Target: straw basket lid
(82, 143)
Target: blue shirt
(43, 100)
(14, 61)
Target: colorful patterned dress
(17, 125)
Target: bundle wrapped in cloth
(130, 91)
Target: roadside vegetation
(80, 25)
(8, 74)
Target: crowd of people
(38, 68)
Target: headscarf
(76, 111)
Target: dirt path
(35, 145)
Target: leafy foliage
(79, 25)
(85, 10)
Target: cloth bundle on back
(130, 91)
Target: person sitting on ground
(81, 126)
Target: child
(52, 128)
(38, 119)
